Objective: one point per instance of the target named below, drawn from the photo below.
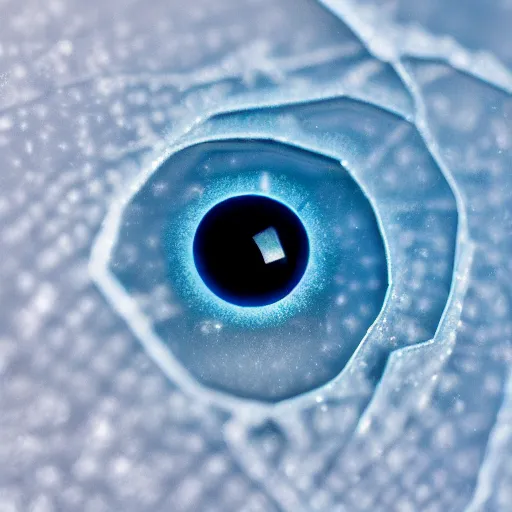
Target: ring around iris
(251, 250)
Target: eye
(256, 247)
(366, 280)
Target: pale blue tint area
(386, 387)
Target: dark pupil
(251, 250)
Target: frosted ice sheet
(89, 422)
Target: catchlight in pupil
(251, 250)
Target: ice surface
(412, 99)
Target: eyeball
(262, 256)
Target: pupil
(251, 250)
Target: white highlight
(269, 245)
(265, 182)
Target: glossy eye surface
(251, 250)
(256, 246)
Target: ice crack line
(391, 42)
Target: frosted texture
(407, 106)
